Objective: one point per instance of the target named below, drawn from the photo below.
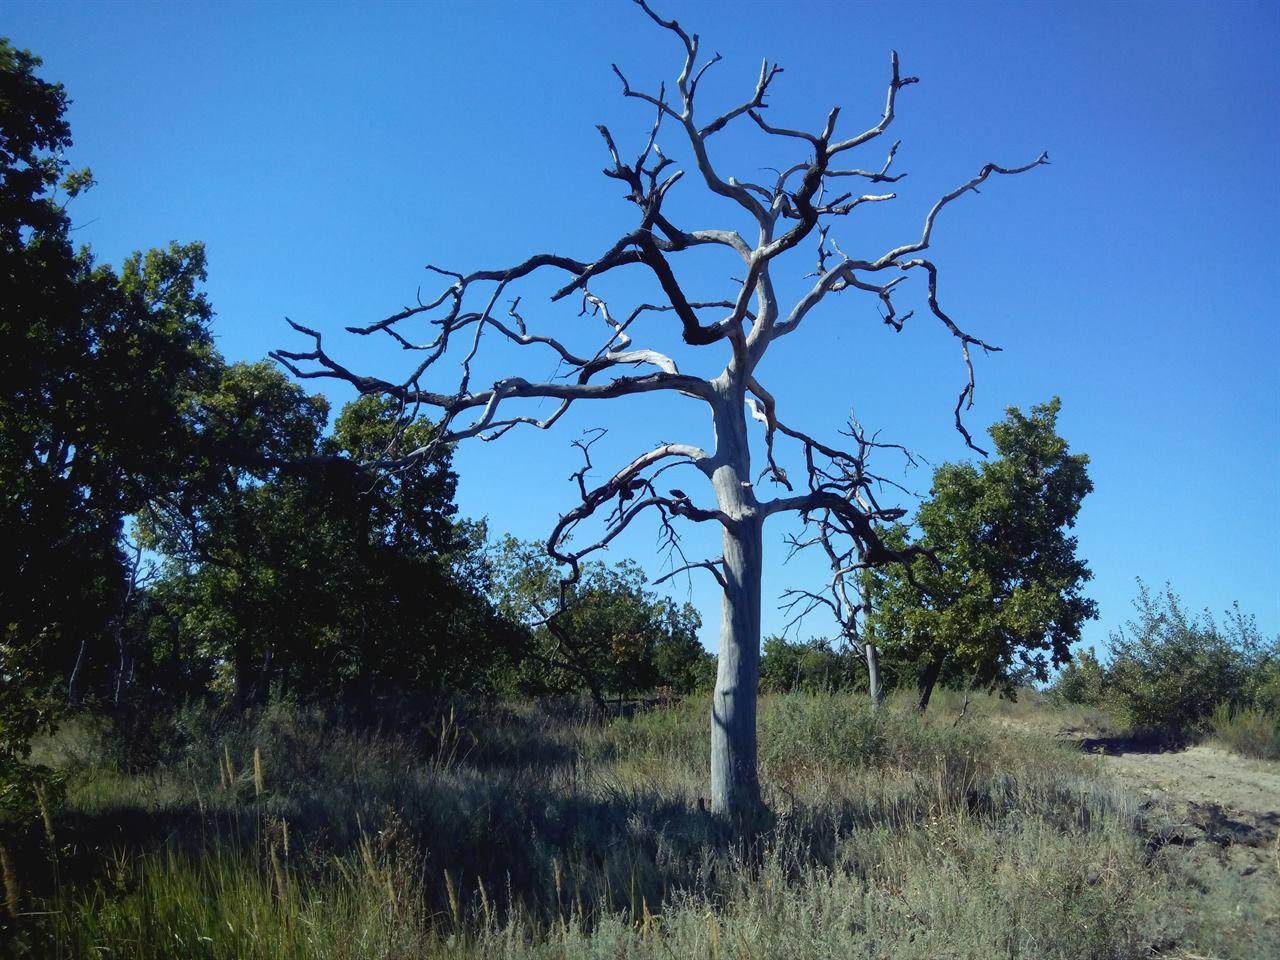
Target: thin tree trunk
(928, 679)
(122, 666)
(73, 684)
(875, 687)
(248, 675)
(870, 652)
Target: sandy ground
(1207, 797)
(1205, 775)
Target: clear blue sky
(325, 152)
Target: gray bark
(869, 650)
(873, 673)
(735, 788)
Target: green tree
(1083, 680)
(99, 367)
(613, 637)
(1003, 600)
(230, 532)
(812, 666)
(291, 566)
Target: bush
(812, 667)
(1264, 687)
(1082, 681)
(1250, 731)
(1170, 671)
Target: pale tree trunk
(735, 787)
(874, 685)
(73, 684)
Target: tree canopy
(999, 600)
(99, 367)
(612, 634)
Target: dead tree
(799, 204)
(846, 594)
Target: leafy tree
(1082, 681)
(1003, 599)
(99, 367)
(612, 636)
(231, 532)
(680, 662)
(812, 666)
(289, 565)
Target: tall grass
(513, 833)
(1249, 731)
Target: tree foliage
(290, 566)
(1001, 600)
(1171, 669)
(613, 636)
(99, 366)
(812, 666)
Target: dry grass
(1249, 731)
(515, 833)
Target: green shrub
(1170, 670)
(1250, 731)
(1264, 687)
(1082, 682)
(813, 666)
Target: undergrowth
(1249, 731)
(512, 832)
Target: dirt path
(1205, 794)
(1205, 775)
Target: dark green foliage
(814, 666)
(1169, 670)
(291, 567)
(99, 367)
(1004, 602)
(680, 662)
(616, 637)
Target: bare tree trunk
(871, 654)
(874, 684)
(735, 787)
(73, 683)
(122, 666)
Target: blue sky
(326, 152)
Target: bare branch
(714, 567)
(927, 233)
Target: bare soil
(1203, 795)
(1203, 774)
